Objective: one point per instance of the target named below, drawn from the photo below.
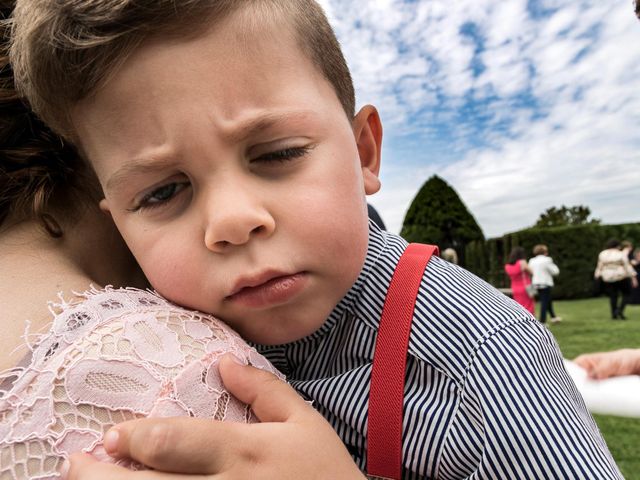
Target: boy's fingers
(271, 399)
(179, 444)
(597, 364)
(586, 362)
(77, 466)
(85, 467)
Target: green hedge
(573, 248)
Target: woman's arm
(552, 268)
(598, 272)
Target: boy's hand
(292, 442)
(610, 364)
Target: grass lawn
(586, 327)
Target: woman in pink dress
(520, 276)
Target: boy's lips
(267, 289)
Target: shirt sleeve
(631, 272)
(553, 268)
(535, 422)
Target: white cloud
(578, 143)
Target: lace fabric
(115, 355)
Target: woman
(106, 355)
(520, 276)
(617, 275)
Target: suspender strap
(384, 431)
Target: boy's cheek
(176, 288)
(169, 273)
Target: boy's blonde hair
(64, 50)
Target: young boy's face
(235, 177)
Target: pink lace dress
(111, 356)
(519, 280)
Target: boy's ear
(104, 206)
(367, 130)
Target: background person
(543, 270)
(634, 297)
(627, 247)
(450, 255)
(520, 277)
(617, 275)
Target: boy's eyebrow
(158, 162)
(263, 122)
(143, 165)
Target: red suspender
(384, 433)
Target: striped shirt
(486, 392)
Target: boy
(232, 162)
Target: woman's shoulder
(134, 323)
(112, 355)
(94, 307)
(611, 255)
(517, 267)
(132, 340)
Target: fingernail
(64, 470)
(111, 441)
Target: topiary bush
(438, 216)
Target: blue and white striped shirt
(486, 392)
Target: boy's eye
(283, 155)
(160, 196)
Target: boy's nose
(236, 222)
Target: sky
(520, 105)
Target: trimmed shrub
(438, 216)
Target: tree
(566, 216)
(438, 216)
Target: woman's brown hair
(40, 174)
(517, 254)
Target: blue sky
(520, 104)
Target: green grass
(586, 327)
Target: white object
(612, 396)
